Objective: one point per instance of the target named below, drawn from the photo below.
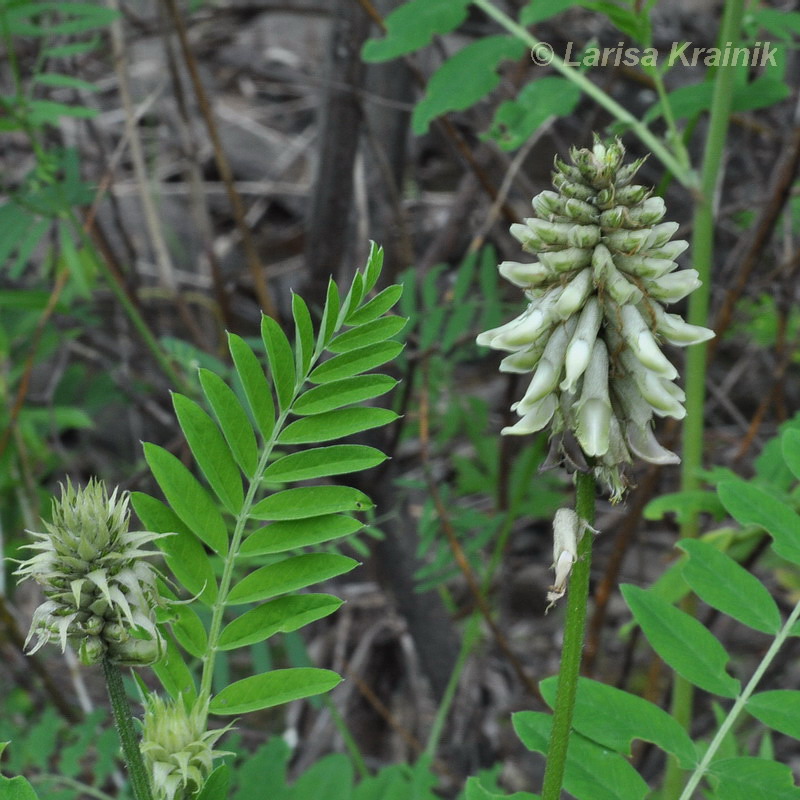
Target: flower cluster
(101, 592)
(177, 748)
(590, 335)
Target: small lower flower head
(101, 592)
(591, 335)
(177, 748)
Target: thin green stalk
(572, 650)
(127, 735)
(652, 142)
(702, 254)
(738, 706)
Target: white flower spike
(591, 335)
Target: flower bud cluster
(592, 331)
(101, 592)
(177, 748)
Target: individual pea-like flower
(101, 591)
(591, 335)
(177, 748)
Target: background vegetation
(169, 170)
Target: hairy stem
(702, 254)
(572, 650)
(127, 735)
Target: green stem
(739, 705)
(572, 650)
(652, 142)
(127, 735)
(702, 254)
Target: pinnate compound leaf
(725, 585)
(272, 689)
(210, 452)
(345, 392)
(413, 25)
(304, 334)
(790, 444)
(255, 385)
(465, 78)
(189, 500)
(368, 334)
(289, 575)
(293, 534)
(216, 785)
(592, 772)
(281, 360)
(614, 718)
(378, 305)
(751, 505)
(184, 554)
(354, 296)
(322, 462)
(746, 778)
(355, 362)
(335, 425)
(682, 642)
(282, 615)
(233, 421)
(779, 709)
(310, 501)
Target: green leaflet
(322, 462)
(174, 674)
(790, 445)
(465, 78)
(475, 791)
(188, 498)
(289, 575)
(746, 778)
(413, 25)
(614, 718)
(216, 785)
(722, 583)
(355, 362)
(368, 334)
(210, 451)
(779, 709)
(335, 424)
(232, 419)
(189, 630)
(751, 505)
(184, 554)
(255, 385)
(281, 360)
(17, 789)
(282, 615)
(293, 534)
(380, 304)
(592, 772)
(272, 689)
(683, 642)
(304, 335)
(345, 392)
(310, 501)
